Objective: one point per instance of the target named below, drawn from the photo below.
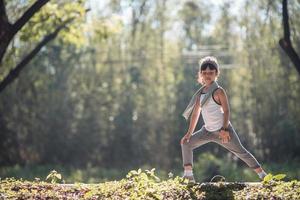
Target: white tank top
(212, 114)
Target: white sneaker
(191, 179)
(262, 175)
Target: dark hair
(211, 66)
(210, 62)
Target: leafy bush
(145, 184)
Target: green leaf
(48, 177)
(268, 177)
(279, 177)
(58, 176)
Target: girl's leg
(197, 139)
(234, 145)
(260, 172)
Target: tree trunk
(8, 31)
(285, 42)
(14, 73)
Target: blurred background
(106, 95)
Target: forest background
(107, 94)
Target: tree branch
(285, 21)
(14, 73)
(3, 15)
(285, 42)
(4, 23)
(8, 31)
(28, 14)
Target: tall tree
(195, 16)
(285, 42)
(8, 31)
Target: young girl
(212, 102)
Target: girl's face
(207, 76)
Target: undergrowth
(145, 184)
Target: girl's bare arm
(225, 106)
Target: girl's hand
(186, 138)
(224, 136)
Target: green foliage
(95, 174)
(54, 176)
(88, 174)
(195, 17)
(206, 165)
(272, 189)
(52, 15)
(136, 175)
(110, 91)
(144, 184)
(269, 178)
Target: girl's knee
(239, 152)
(187, 145)
(242, 154)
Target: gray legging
(203, 136)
